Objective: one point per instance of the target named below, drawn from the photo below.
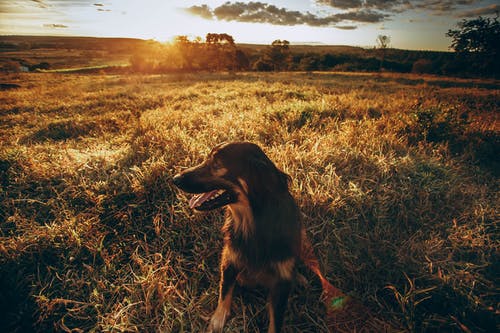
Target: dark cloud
(389, 5)
(202, 11)
(367, 16)
(484, 11)
(100, 9)
(363, 11)
(41, 3)
(342, 4)
(258, 12)
(395, 6)
(434, 6)
(441, 7)
(346, 27)
(55, 26)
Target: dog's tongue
(198, 199)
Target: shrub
(422, 66)
(262, 66)
(437, 124)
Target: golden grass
(397, 177)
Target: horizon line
(292, 43)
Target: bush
(262, 66)
(422, 66)
(437, 124)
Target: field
(396, 175)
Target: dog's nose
(177, 179)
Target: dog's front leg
(226, 286)
(278, 299)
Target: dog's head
(232, 172)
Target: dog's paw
(218, 320)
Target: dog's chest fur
(260, 240)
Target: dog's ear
(264, 177)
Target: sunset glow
(420, 24)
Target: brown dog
(263, 236)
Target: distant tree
(221, 51)
(219, 39)
(383, 42)
(181, 40)
(478, 41)
(242, 62)
(329, 60)
(310, 62)
(262, 65)
(190, 52)
(278, 54)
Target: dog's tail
(333, 298)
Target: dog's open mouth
(210, 200)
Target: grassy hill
(397, 178)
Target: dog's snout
(177, 180)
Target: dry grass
(397, 177)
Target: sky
(410, 24)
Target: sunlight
(162, 21)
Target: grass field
(397, 178)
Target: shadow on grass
(72, 129)
(17, 304)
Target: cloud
(387, 5)
(367, 16)
(41, 3)
(488, 10)
(362, 11)
(202, 11)
(100, 9)
(342, 4)
(55, 26)
(63, 3)
(258, 12)
(346, 27)
(436, 7)
(441, 7)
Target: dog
(263, 235)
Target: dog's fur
(263, 236)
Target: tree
(242, 62)
(189, 52)
(383, 42)
(479, 35)
(278, 54)
(477, 41)
(221, 51)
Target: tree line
(475, 43)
